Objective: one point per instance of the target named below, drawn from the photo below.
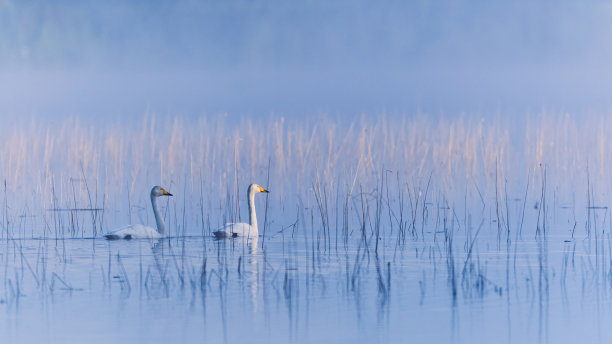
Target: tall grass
(356, 207)
(468, 163)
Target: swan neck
(159, 219)
(252, 215)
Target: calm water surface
(301, 290)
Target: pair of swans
(248, 230)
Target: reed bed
(502, 209)
(53, 172)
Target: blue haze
(341, 57)
(472, 228)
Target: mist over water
(438, 171)
(344, 57)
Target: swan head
(254, 188)
(159, 191)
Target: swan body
(247, 230)
(138, 231)
(233, 230)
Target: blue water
(293, 290)
(458, 230)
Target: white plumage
(139, 231)
(247, 230)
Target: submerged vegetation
(393, 221)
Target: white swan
(243, 229)
(144, 232)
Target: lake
(387, 230)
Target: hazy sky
(127, 57)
